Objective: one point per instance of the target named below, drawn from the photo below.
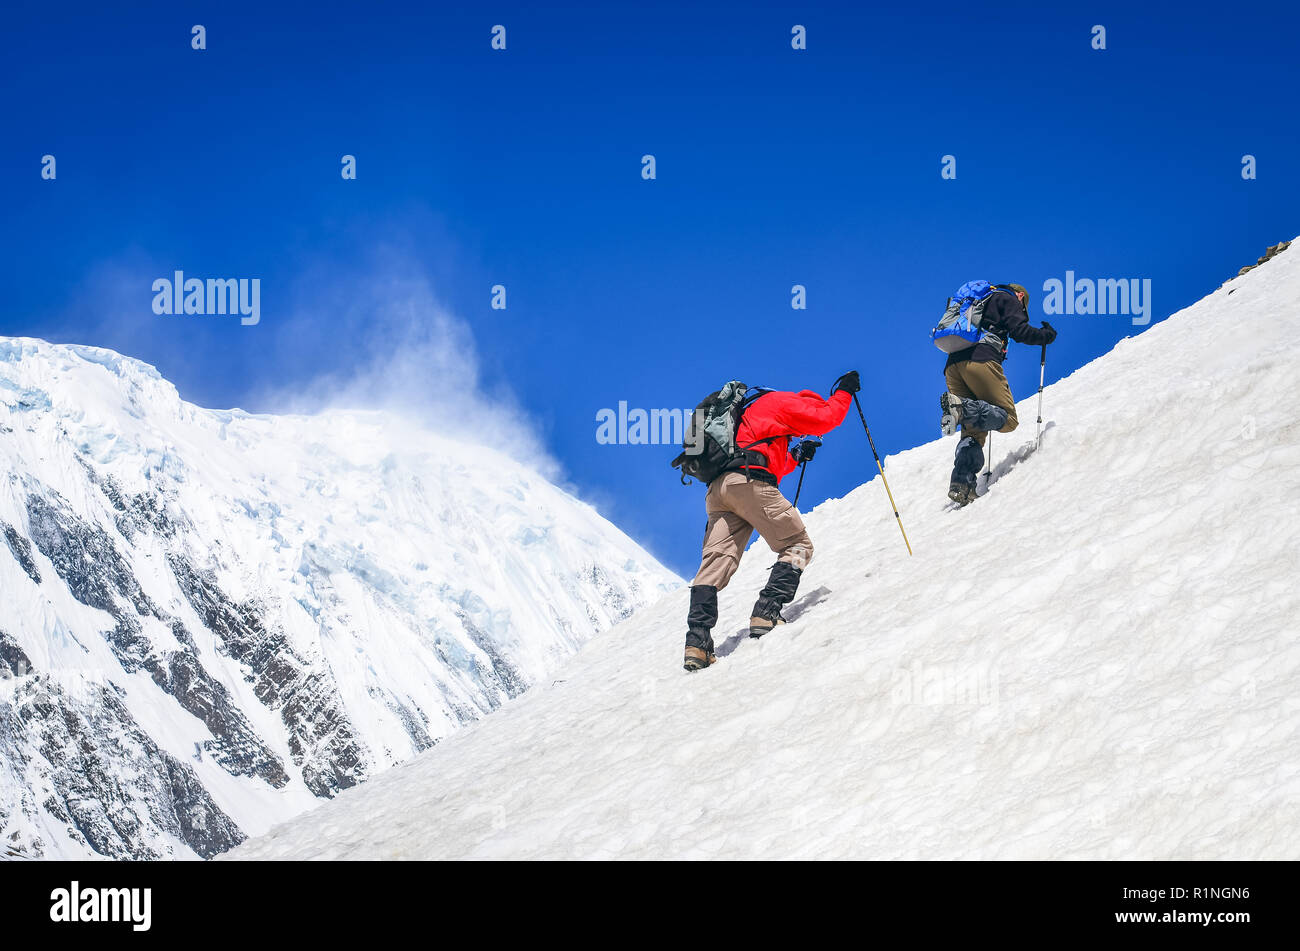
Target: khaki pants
(982, 381)
(736, 506)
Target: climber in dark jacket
(979, 398)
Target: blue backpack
(959, 327)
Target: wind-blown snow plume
(396, 348)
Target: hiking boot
(697, 658)
(699, 626)
(767, 610)
(962, 493)
(758, 626)
(951, 406)
(781, 587)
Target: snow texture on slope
(1097, 659)
(210, 620)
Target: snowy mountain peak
(212, 619)
(1094, 660)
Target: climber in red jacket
(746, 497)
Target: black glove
(804, 450)
(849, 383)
(1051, 331)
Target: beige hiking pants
(736, 506)
(982, 381)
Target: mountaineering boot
(967, 463)
(698, 659)
(951, 406)
(963, 493)
(701, 617)
(782, 584)
(767, 615)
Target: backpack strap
(993, 339)
(752, 459)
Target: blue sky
(775, 167)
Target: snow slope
(210, 620)
(1098, 659)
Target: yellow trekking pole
(892, 503)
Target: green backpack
(709, 448)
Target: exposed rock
(13, 661)
(102, 776)
(322, 740)
(89, 563)
(22, 550)
(1272, 252)
(83, 556)
(500, 672)
(235, 746)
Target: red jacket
(789, 414)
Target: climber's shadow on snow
(791, 614)
(1015, 457)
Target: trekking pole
(803, 466)
(1042, 367)
(892, 503)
